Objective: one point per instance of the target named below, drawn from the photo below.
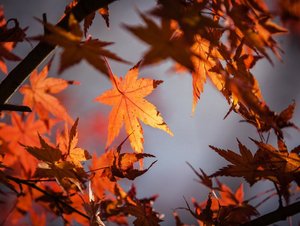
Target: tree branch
(12, 107)
(277, 215)
(20, 73)
(57, 199)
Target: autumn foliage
(43, 172)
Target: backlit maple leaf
(102, 184)
(204, 60)
(130, 106)
(65, 168)
(67, 143)
(21, 130)
(75, 50)
(38, 95)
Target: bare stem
(55, 198)
(277, 215)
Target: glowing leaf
(38, 95)
(22, 130)
(129, 107)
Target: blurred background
(170, 177)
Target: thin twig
(279, 195)
(56, 199)
(12, 107)
(277, 215)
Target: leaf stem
(279, 196)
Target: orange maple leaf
(204, 59)
(67, 143)
(102, 184)
(38, 95)
(21, 130)
(129, 107)
(202, 65)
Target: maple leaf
(281, 166)
(202, 213)
(143, 213)
(164, 45)
(102, 184)
(122, 166)
(228, 209)
(278, 166)
(7, 43)
(22, 130)
(253, 23)
(253, 108)
(130, 106)
(204, 60)
(75, 50)
(66, 169)
(38, 95)
(67, 143)
(228, 197)
(189, 16)
(243, 165)
(142, 209)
